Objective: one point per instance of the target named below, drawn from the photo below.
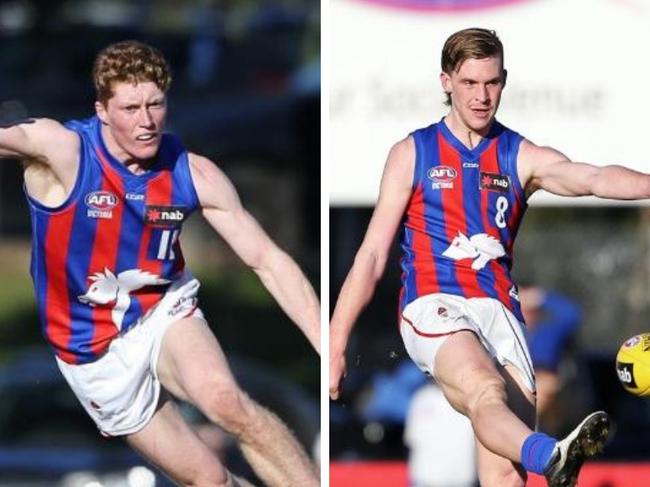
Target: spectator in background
(435, 431)
(552, 321)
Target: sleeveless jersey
(105, 257)
(460, 224)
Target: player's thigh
(171, 444)
(464, 369)
(521, 400)
(191, 361)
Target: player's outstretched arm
(278, 272)
(545, 168)
(370, 261)
(34, 139)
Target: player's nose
(482, 93)
(146, 120)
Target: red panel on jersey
(159, 193)
(489, 163)
(104, 256)
(455, 219)
(58, 304)
(426, 281)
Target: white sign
(578, 75)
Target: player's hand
(337, 373)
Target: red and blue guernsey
(106, 256)
(463, 216)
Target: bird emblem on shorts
(480, 247)
(106, 288)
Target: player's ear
(100, 110)
(505, 76)
(445, 81)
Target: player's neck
(469, 137)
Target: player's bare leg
(192, 366)
(493, 469)
(171, 445)
(474, 386)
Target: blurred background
(572, 68)
(246, 93)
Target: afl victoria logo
(101, 200)
(442, 177)
(442, 174)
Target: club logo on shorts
(165, 216)
(100, 204)
(442, 177)
(494, 182)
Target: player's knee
(489, 391)
(233, 409)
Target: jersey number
(500, 217)
(165, 248)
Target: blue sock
(536, 452)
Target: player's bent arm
(546, 168)
(35, 139)
(370, 261)
(278, 272)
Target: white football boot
(584, 442)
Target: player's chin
(481, 121)
(145, 151)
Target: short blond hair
(472, 43)
(131, 62)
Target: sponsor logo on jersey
(494, 182)
(471, 165)
(100, 204)
(442, 177)
(134, 196)
(626, 373)
(164, 216)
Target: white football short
(429, 320)
(120, 390)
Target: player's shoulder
(204, 167)
(531, 153)
(404, 147)
(50, 140)
(45, 128)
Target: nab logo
(101, 200)
(442, 177)
(495, 182)
(625, 373)
(164, 216)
